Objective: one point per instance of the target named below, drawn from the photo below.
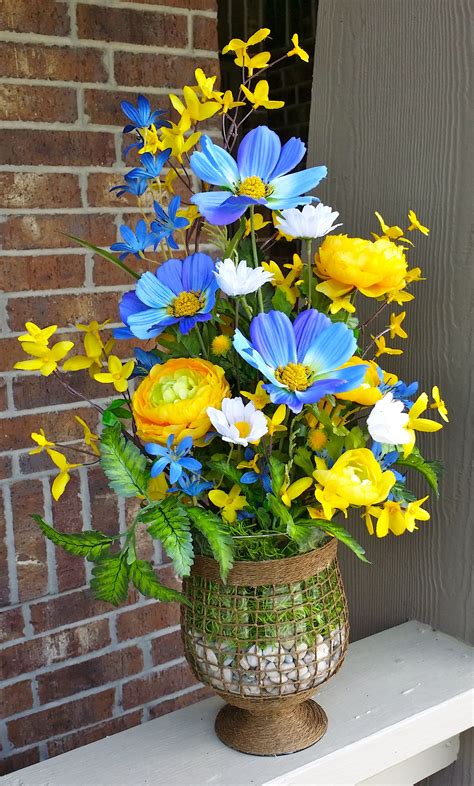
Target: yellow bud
(221, 345)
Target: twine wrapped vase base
(265, 641)
(272, 728)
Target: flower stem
(310, 272)
(255, 255)
(201, 342)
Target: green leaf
(106, 255)
(168, 522)
(144, 579)
(338, 532)
(211, 526)
(222, 469)
(280, 511)
(110, 578)
(281, 303)
(123, 463)
(431, 470)
(90, 544)
(303, 460)
(306, 536)
(277, 472)
(400, 493)
(235, 240)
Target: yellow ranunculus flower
(174, 397)
(373, 267)
(357, 478)
(368, 393)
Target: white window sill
(395, 710)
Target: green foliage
(338, 532)
(144, 579)
(116, 409)
(106, 255)
(220, 468)
(303, 459)
(233, 243)
(401, 493)
(90, 544)
(431, 470)
(110, 578)
(306, 536)
(210, 525)
(168, 522)
(280, 511)
(123, 463)
(277, 472)
(280, 302)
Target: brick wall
(72, 669)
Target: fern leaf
(168, 522)
(123, 463)
(144, 579)
(339, 532)
(431, 470)
(110, 582)
(90, 544)
(211, 527)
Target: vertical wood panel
(392, 119)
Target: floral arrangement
(255, 413)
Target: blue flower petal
(258, 153)
(280, 395)
(154, 449)
(186, 324)
(130, 304)
(252, 357)
(191, 464)
(197, 272)
(273, 337)
(170, 273)
(297, 183)
(152, 291)
(220, 207)
(150, 323)
(214, 165)
(176, 471)
(307, 327)
(348, 378)
(291, 154)
(331, 348)
(159, 466)
(249, 477)
(185, 445)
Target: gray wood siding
(392, 119)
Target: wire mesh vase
(264, 642)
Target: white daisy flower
(240, 280)
(237, 422)
(312, 221)
(387, 421)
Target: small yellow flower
(242, 58)
(275, 423)
(331, 502)
(252, 464)
(190, 212)
(62, 479)
(393, 518)
(416, 224)
(167, 184)
(227, 102)
(414, 275)
(368, 392)
(117, 374)
(316, 439)
(157, 488)
(260, 398)
(393, 233)
(229, 503)
(259, 97)
(259, 223)
(296, 266)
(297, 50)
(37, 335)
(45, 359)
(90, 438)
(338, 294)
(205, 85)
(399, 296)
(439, 404)
(415, 423)
(221, 345)
(382, 348)
(93, 347)
(396, 325)
(290, 492)
(41, 441)
(286, 283)
(192, 109)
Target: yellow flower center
(253, 187)
(243, 427)
(186, 304)
(294, 376)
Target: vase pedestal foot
(271, 732)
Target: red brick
(153, 686)
(99, 194)
(205, 33)
(46, 18)
(65, 309)
(43, 651)
(15, 432)
(103, 503)
(193, 5)
(32, 273)
(59, 720)
(134, 27)
(44, 104)
(33, 61)
(5, 472)
(141, 69)
(33, 391)
(92, 673)
(66, 609)
(102, 106)
(19, 760)
(146, 619)
(32, 189)
(15, 698)
(30, 543)
(3, 396)
(85, 736)
(167, 647)
(68, 517)
(57, 148)
(50, 231)
(179, 702)
(9, 621)
(105, 273)
(11, 625)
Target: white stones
(253, 656)
(211, 656)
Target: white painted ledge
(395, 711)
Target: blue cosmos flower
(191, 485)
(165, 225)
(176, 459)
(141, 116)
(258, 177)
(133, 185)
(404, 392)
(134, 242)
(152, 166)
(181, 291)
(301, 360)
(145, 362)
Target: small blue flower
(165, 225)
(180, 292)
(134, 242)
(387, 460)
(145, 362)
(301, 360)
(191, 485)
(141, 115)
(133, 185)
(151, 166)
(258, 177)
(176, 459)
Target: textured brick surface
(75, 669)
